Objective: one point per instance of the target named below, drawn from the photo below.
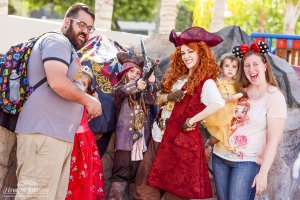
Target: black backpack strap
(71, 60)
(40, 83)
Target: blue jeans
(234, 179)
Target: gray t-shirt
(45, 111)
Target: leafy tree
(134, 10)
(259, 15)
(11, 9)
(13, 6)
(185, 15)
(291, 16)
(297, 29)
(275, 19)
(202, 13)
(256, 15)
(127, 10)
(250, 15)
(58, 6)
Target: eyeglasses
(83, 25)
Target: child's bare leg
(213, 140)
(209, 145)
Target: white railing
(16, 29)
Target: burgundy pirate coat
(180, 165)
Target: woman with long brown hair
(180, 167)
(242, 173)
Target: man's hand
(93, 106)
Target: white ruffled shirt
(210, 94)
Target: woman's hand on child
(141, 84)
(233, 97)
(236, 96)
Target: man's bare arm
(56, 73)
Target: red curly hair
(206, 66)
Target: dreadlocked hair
(206, 66)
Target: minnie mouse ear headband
(85, 69)
(128, 61)
(194, 34)
(260, 47)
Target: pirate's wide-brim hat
(195, 34)
(129, 61)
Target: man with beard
(51, 116)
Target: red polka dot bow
(245, 48)
(260, 47)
